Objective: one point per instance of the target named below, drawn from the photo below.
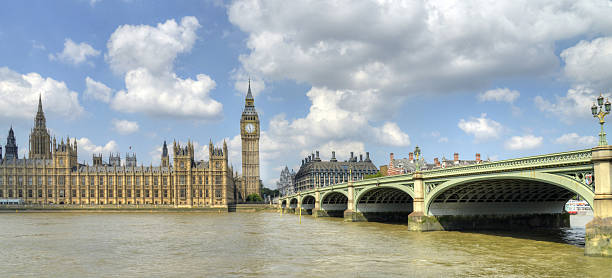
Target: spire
(40, 110)
(165, 150)
(249, 95)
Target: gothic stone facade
(52, 175)
(249, 133)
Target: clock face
(249, 128)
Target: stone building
(52, 175)
(285, 184)
(317, 173)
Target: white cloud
(499, 95)
(74, 53)
(409, 47)
(124, 126)
(390, 134)
(86, 148)
(481, 128)
(590, 62)
(241, 83)
(97, 90)
(154, 48)
(588, 65)
(523, 142)
(19, 95)
(576, 103)
(573, 139)
(145, 54)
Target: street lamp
(417, 153)
(600, 111)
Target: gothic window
(20, 180)
(156, 193)
(218, 180)
(193, 180)
(50, 181)
(137, 193)
(110, 193)
(128, 180)
(82, 180)
(181, 180)
(60, 180)
(29, 180)
(83, 193)
(92, 193)
(91, 181)
(129, 193)
(101, 181)
(165, 193)
(155, 181)
(110, 181)
(147, 193)
(62, 193)
(218, 193)
(182, 193)
(120, 193)
(182, 164)
(39, 193)
(165, 181)
(101, 193)
(206, 193)
(137, 181)
(1, 181)
(119, 181)
(30, 193)
(50, 193)
(74, 192)
(146, 180)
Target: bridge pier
(316, 211)
(417, 220)
(598, 238)
(351, 214)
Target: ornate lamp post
(417, 153)
(600, 111)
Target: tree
(254, 198)
(377, 175)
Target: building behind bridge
(285, 184)
(408, 165)
(51, 175)
(315, 172)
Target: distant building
(317, 173)
(285, 184)
(408, 165)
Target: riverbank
(134, 208)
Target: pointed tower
(249, 133)
(40, 141)
(11, 146)
(165, 160)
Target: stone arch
(293, 203)
(504, 194)
(334, 203)
(284, 204)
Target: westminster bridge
(521, 193)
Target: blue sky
(503, 79)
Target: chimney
(302, 162)
(477, 158)
(351, 156)
(391, 157)
(360, 157)
(317, 155)
(411, 156)
(367, 156)
(333, 159)
(456, 157)
(436, 161)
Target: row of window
(61, 180)
(92, 193)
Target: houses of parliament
(51, 173)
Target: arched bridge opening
(293, 203)
(284, 204)
(334, 204)
(308, 203)
(385, 204)
(504, 203)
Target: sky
(505, 79)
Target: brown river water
(266, 244)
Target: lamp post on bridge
(417, 153)
(600, 111)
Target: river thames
(266, 244)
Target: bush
(254, 198)
(377, 175)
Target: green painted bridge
(527, 192)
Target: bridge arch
(284, 204)
(293, 203)
(334, 203)
(385, 203)
(504, 194)
(308, 203)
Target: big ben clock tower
(249, 132)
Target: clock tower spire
(249, 133)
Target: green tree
(254, 198)
(377, 175)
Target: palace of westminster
(51, 174)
